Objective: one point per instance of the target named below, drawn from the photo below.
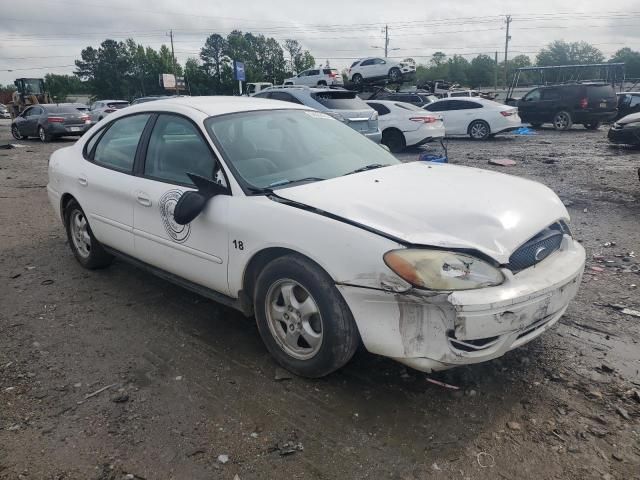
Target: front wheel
(16, 133)
(302, 318)
(87, 250)
(593, 125)
(395, 74)
(357, 79)
(562, 120)
(479, 130)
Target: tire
(357, 79)
(16, 133)
(288, 286)
(85, 247)
(395, 75)
(394, 139)
(288, 83)
(593, 126)
(479, 130)
(322, 83)
(44, 136)
(562, 120)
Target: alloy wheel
(294, 319)
(80, 233)
(479, 130)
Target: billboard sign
(238, 71)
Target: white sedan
(476, 117)
(405, 125)
(287, 214)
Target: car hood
(634, 117)
(421, 203)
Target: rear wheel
(357, 79)
(394, 140)
(16, 133)
(395, 74)
(43, 135)
(479, 130)
(302, 318)
(562, 120)
(87, 250)
(322, 83)
(593, 125)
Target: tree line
(481, 70)
(126, 69)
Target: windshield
(32, 86)
(270, 149)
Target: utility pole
(386, 40)
(506, 51)
(495, 77)
(173, 65)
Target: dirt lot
(189, 380)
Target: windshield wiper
(371, 166)
(280, 183)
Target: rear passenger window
(117, 147)
(443, 106)
(465, 105)
(635, 101)
(176, 148)
(550, 94)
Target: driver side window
(176, 147)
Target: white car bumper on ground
(438, 330)
(423, 134)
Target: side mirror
(191, 204)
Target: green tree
(481, 72)
(631, 59)
(458, 69)
(299, 59)
(60, 86)
(107, 70)
(437, 59)
(197, 79)
(563, 53)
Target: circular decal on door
(178, 233)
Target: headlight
(442, 270)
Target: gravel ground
(116, 374)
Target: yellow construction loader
(30, 91)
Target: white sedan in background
(287, 214)
(476, 117)
(405, 125)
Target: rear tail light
(55, 119)
(333, 75)
(508, 113)
(427, 119)
(85, 118)
(584, 103)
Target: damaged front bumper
(438, 330)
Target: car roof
(221, 105)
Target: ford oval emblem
(540, 253)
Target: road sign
(238, 71)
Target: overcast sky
(44, 36)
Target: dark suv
(563, 105)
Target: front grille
(538, 248)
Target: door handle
(143, 199)
(83, 181)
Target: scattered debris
(623, 413)
(607, 368)
(14, 428)
(629, 311)
(442, 384)
(47, 282)
(178, 378)
(617, 456)
(514, 425)
(502, 162)
(597, 269)
(549, 161)
(16, 275)
(120, 398)
(436, 467)
(488, 460)
(223, 458)
(287, 448)
(595, 394)
(254, 435)
(98, 392)
(197, 451)
(282, 374)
